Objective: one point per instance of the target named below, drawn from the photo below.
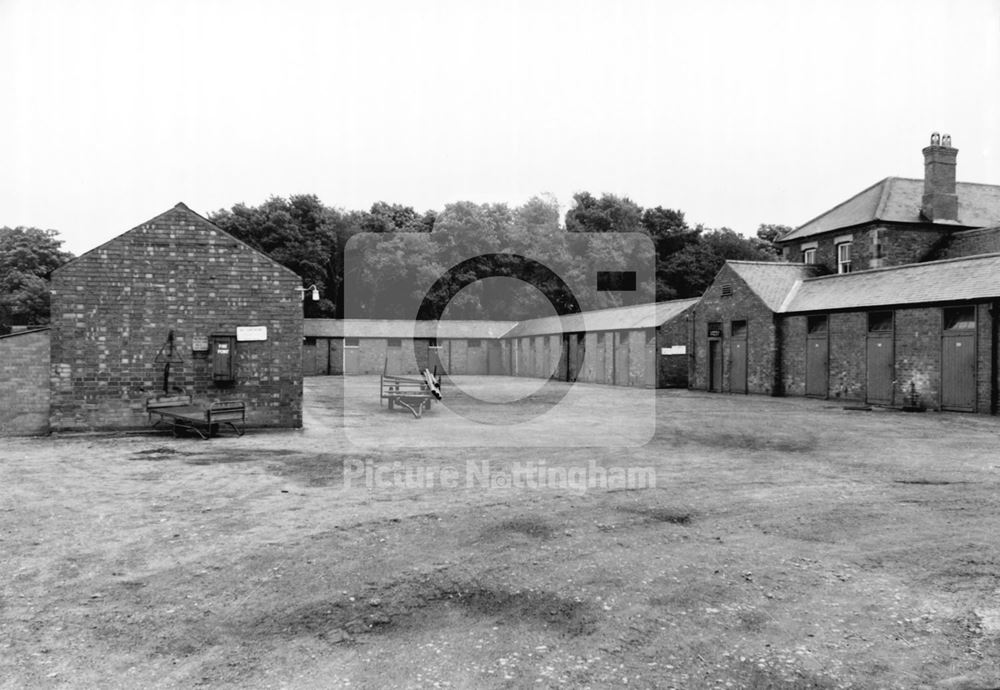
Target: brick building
(734, 326)
(645, 345)
(920, 334)
(900, 221)
(371, 346)
(641, 346)
(907, 318)
(24, 371)
(232, 315)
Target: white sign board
(674, 350)
(247, 333)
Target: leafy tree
(27, 258)
(607, 214)
(691, 270)
(769, 234)
(384, 217)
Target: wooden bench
(415, 394)
(181, 413)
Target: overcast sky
(736, 112)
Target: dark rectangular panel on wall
(958, 359)
(880, 359)
(223, 359)
(738, 357)
(817, 356)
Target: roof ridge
(902, 266)
(884, 197)
(761, 263)
(789, 296)
(988, 228)
(842, 203)
(978, 184)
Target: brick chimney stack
(940, 202)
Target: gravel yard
(782, 543)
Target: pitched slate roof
(898, 200)
(976, 277)
(614, 319)
(402, 328)
(771, 280)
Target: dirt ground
(784, 543)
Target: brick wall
(848, 355)
(761, 341)
(972, 242)
(673, 370)
(113, 307)
(918, 354)
(900, 244)
(24, 393)
(792, 348)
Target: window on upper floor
(844, 257)
(808, 256)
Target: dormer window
(844, 257)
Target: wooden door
(394, 356)
(715, 366)
(352, 356)
(475, 356)
(621, 341)
(958, 372)
(817, 365)
(958, 359)
(738, 357)
(309, 357)
(818, 355)
(336, 356)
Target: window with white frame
(844, 257)
(808, 256)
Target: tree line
(403, 251)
